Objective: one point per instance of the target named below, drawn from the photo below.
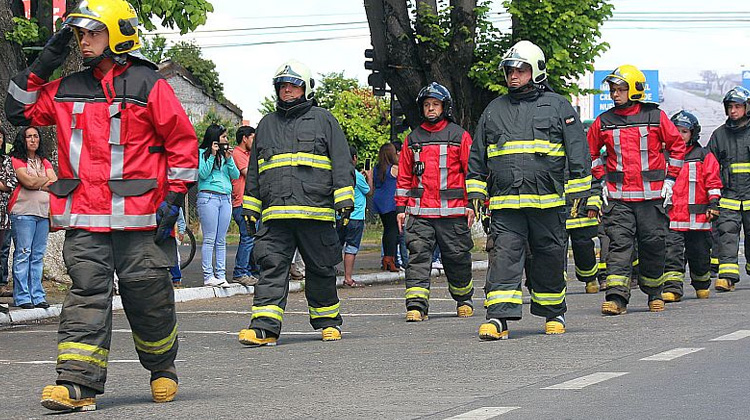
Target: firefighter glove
(666, 191)
(166, 216)
(344, 214)
(54, 53)
(250, 223)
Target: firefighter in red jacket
(636, 184)
(695, 204)
(431, 190)
(127, 155)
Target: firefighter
(431, 190)
(299, 177)
(637, 183)
(582, 225)
(695, 204)
(730, 143)
(127, 155)
(521, 147)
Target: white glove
(605, 193)
(666, 191)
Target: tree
(454, 43)
(190, 56)
(155, 49)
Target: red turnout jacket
(698, 184)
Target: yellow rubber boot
(671, 297)
(724, 285)
(702, 293)
(253, 337)
(57, 398)
(656, 305)
(465, 311)
(163, 389)
(555, 325)
(494, 329)
(592, 287)
(331, 334)
(611, 307)
(415, 315)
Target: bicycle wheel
(187, 249)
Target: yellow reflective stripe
(728, 203)
(83, 353)
(729, 269)
(595, 201)
(602, 266)
(251, 203)
(526, 146)
(615, 280)
(461, 291)
(268, 311)
(324, 312)
(526, 200)
(295, 159)
(673, 276)
(635, 263)
(739, 168)
(587, 273)
(156, 347)
(503, 296)
(476, 186)
(299, 212)
(652, 282)
(581, 222)
(714, 261)
(705, 277)
(417, 293)
(548, 299)
(343, 194)
(578, 185)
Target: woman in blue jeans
(29, 215)
(216, 170)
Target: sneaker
(214, 282)
(494, 329)
(415, 315)
(42, 305)
(331, 334)
(245, 280)
(555, 325)
(27, 305)
(4, 309)
(58, 398)
(6, 290)
(437, 265)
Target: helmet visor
(616, 80)
(288, 79)
(86, 23)
(514, 63)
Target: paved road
(709, 112)
(436, 369)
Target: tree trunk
(12, 57)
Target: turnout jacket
(635, 166)
(697, 186)
(443, 150)
(300, 167)
(123, 142)
(732, 149)
(522, 151)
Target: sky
(246, 60)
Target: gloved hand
(54, 53)
(344, 214)
(666, 191)
(481, 213)
(713, 210)
(250, 223)
(166, 216)
(605, 193)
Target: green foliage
(25, 31)
(267, 106)
(435, 30)
(331, 86)
(491, 43)
(186, 15)
(190, 56)
(212, 117)
(155, 49)
(364, 120)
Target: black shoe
(28, 305)
(4, 309)
(42, 305)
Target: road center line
(483, 413)
(737, 335)
(584, 381)
(671, 354)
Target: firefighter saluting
(636, 186)
(430, 189)
(125, 145)
(300, 175)
(522, 144)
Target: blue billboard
(746, 79)
(603, 102)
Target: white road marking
(398, 314)
(672, 354)
(483, 413)
(584, 381)
(236, 333)
(737, 335)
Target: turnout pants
(584, 254)
(729, 224)
(695, 246)
(319, 246)
(453, 236)
(627, 223)
(145, 286)
(544, 232)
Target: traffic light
(376, 79)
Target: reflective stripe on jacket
(697, 185)
(731, 147)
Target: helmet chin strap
(120, 59)
(627, 104)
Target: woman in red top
(29, 215)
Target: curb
(22, 316)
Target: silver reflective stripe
(114, 124)
(715, 191)
(443, 173)
(692, 181)
(677, 163)
(104, 221)
(23, 96)
(635, 195)
(618, 161)
(444, 211)
(182, 174)
(643, 131)
(417, 200)
(690, 225)
(401, 192)
(597, 162)
(76, 139)
(118, 164)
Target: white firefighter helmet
(526, 52)
(295, 73)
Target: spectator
(216, 170)
(350, 235)
(243, 266)
(402, 253)
(29, 214)
(7, 184)
(175, 269)
(384, 203)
